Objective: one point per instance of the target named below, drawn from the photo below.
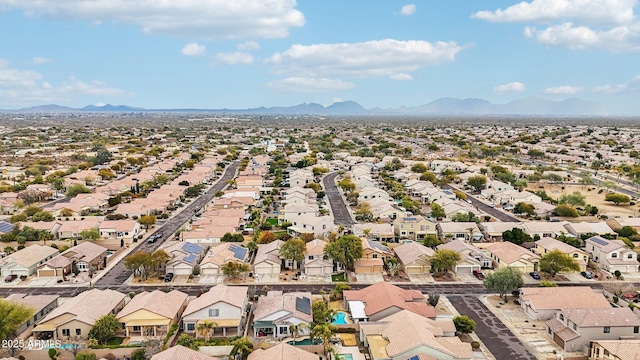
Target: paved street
(502, 216)
(118, 274)
(494, 334)
(341, 214)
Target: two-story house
(612, 255)
(223, 306)
(316, 262)
(546, 244)
(311, 224)
(414, 227)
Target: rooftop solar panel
(377, 245)
(5, 227)
(598, 240)
(238, 251)
(190, 259)
(192, 248)
(303, 305)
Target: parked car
(10, 278)
(478, 274)
(534, 275)
(587, 274)
(151, 239)
(168, 277)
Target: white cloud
(248, 46)
(581, 11)
(509, 88)
(563, 90)
(401, 76)
(26, 87)
(204, 19)
(619, 39)
(408, 9)
(308, 85)
(234, 58)
(40, 60)
(193, 49)
(371, 58)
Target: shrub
(475, 345)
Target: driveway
(341, 215)
(494, 334)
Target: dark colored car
(10, 278)
(534, 275)
(168, 277)
(478, 274)
(587, 274)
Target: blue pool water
(344, 357)
(306, 341)
(340, 318)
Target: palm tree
(241, 348)
(366, 232)
(205, 327)
(325, 332)
(471, 231)
(296, 329)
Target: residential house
(25, 262)
(226, 306)
(126, 229)
(492, 231)
(468, 231)
(275, 312)
(627, 349)
(593, 228)
(507, 254)
(72, 229)
(495, 187)
(414, 258)
(574, 329)
(414, 227)
(546, 229)
(77, 315)
(86, 256)
(542, 303)
(545, 245)
(471, 258)
(221, 254)
(208, 235)
(291, 211)
(374, 255)
(282, 351)
(316, 262)
(618, 223)
(49, 226)
(406, 335)
(370, 193)
(612, 255)
(151, 314)
(185, 257)
(311, 224)
(384, 210)
(267, 259)
(180, 352)
(40, 304)
(377, 301)
(514, 197)
(379, 232)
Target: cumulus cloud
(193, 49)
(509, 88)
(26, 87)
(308, 85)
(401, 76)
(582, 11)
(563, 90)
(408, 9)
(371, 58)
(248, 46)
(234, 58)
(40, 60)
(619, 39)
(203, 19)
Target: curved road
(118, 274)
(341, 215)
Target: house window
(136, 328)
(78, 332)
(636, 329)
(575, 327)
(375, 256)
(630, 256)
(213, 312)
(561, 317)
(191, 326)
(310, 257)
(614, 255)
(549, 330)
(575, 255)
(66, 332)
(606, 352)
(607, 329)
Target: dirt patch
(348, 339)
(445, 277)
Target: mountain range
(443, 106)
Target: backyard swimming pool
(340, 318)
(306, 341)
(344, 357)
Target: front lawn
(115, 341)
(339, 277)
(271, 221)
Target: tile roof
(86, 251)
(564, 332)
(553, 244)
(622, 316)
(233, 295)
(225, 252)
(621, 349)
(37, 302)
(543, 298)
(282, 351)
(276, 301)
(383, 295)
(408, 253)
(509, 252)
(180, 352)
(606, 245)
(88, 306)
(315, 247)
(157, 302)
(30, 255)
(269, 252)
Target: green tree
(347, 185)
(437, 212)
(233, 269)
(556, 261)
(147, 220)
(432, 241)
(565, 210)
(322, 313)
(242, 347)
(104, 328)
(444, 260)
(325, 332)
(42, 216)
(138, 263)
(75, 189)
(524, 208)
(617, 198)
(339, 289)
(419, 168)
(516, 236)
(205, 328)
(573, 199)
(345, 250)
(187, 341)
(90, 234)
(102, 156)
(428, 176)
(477, 182)
(293, 249)
(627, 231)
(86, 355)
(139, 354)
(13, 315)
(464, 324)
(504, 281)
(547, 283)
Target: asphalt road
(341, 215)
(486, 208)
(494, 334)
(118, 274)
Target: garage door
(414, 270)
(182, 271)
(314, 270)
(464, 269)
(49, 272)
(558, 340)
(209, 271)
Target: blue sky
(380, 53)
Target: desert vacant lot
(592, 197)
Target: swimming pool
(306, 341)
(344, 357)
(340, 318)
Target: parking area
(369, 278)
(421, 278)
